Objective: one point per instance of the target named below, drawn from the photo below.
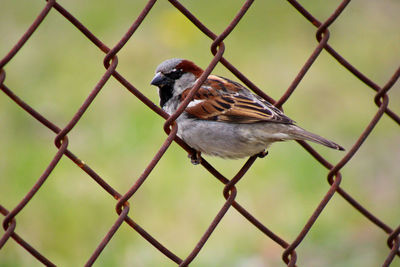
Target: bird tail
(299, 133)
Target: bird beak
(159, 79)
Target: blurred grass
(118, 135)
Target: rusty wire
(334, 178)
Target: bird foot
(195, 158)
(262, 154)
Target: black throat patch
(165, 93)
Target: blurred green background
(118, 136)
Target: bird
(224, 118)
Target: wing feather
(219, 99)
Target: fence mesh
(334, 178)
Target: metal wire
(217, 48)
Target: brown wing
(221, 100)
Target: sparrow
(224, 118)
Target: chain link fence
(334, 177)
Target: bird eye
(174, 74)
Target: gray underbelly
(225, 139)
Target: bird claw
(262, 154)
(195, 158)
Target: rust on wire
(11, 233)
(229, 190)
